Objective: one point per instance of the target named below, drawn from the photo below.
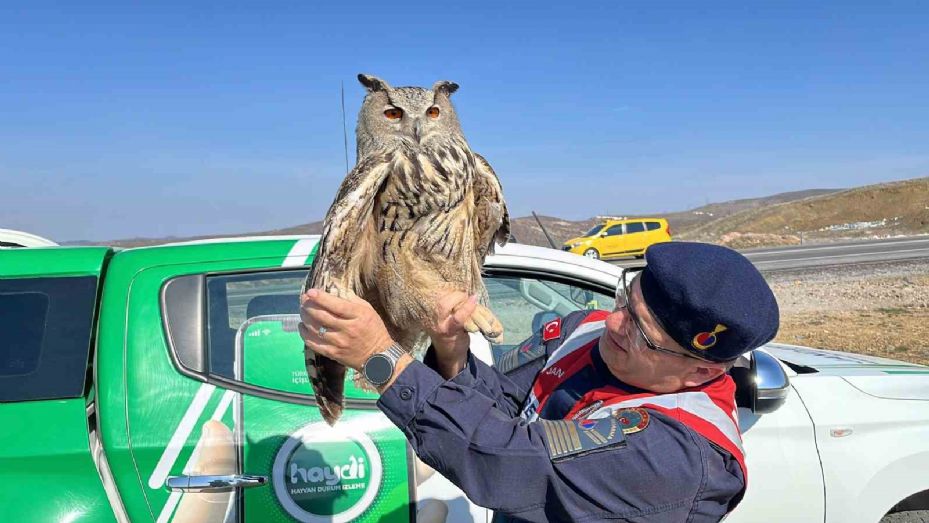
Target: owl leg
(483, 320)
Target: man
(627, 416)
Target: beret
(710, 299)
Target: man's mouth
(616, 344)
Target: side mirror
(771, 384)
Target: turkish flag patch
(551, 330)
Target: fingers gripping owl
(414, 219)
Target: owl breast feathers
(414, 219)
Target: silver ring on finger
(322, 330)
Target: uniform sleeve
(507, 393)
(519, 469)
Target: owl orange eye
(393, 114)
(433, 112)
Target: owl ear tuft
(372, 83)
(445, 86)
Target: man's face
(630, 360)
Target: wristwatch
(380, 367)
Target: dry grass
(880, 311)
(901, 206)
(897, 333)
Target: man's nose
(624, 319)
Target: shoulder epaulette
(566, 439)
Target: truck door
(229, 396)
(48, 303)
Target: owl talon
(483, 320)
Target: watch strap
(393, 355)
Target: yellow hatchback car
(613, 238)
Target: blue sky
(122, 119)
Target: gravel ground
(881, 310)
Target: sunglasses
(623, 294)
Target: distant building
(10, 238)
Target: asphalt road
(831, 254)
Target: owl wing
(491, 216)
(342, 249)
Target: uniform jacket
(576, 444)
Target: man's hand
(352, 330)
(448, 334)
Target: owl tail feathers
(331, 411)
(328, 379)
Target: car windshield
(596, 228)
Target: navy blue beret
(710, 299)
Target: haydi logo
(327, 474)
(330, 475)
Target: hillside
(527, 230)
(781, 219)
(887, 209)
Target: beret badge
(705, 340)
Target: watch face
(378, 369)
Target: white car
(829, 436)
(10, 239)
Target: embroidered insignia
(586, 411)
(705, 340)
(551, 330)
(566, 439)
(587, 423)
(632, 420)
(529, 350)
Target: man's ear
(703, 373)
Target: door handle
(226, 483)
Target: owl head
(390, 115)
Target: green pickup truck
(167, 384)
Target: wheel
(908, 516)
(592, 253)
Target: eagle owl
(415, 217)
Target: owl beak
(418, 130)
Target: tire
(907, 516)
(592, 253)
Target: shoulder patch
(527, 351)
(551, 330)
(567, 439)
(632, 420)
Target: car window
(252, 333)
(615, 230)
(47, 324)
(633, 227)
(595, 229)
(523, 304)
(652, 226)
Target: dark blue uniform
(469, 429)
